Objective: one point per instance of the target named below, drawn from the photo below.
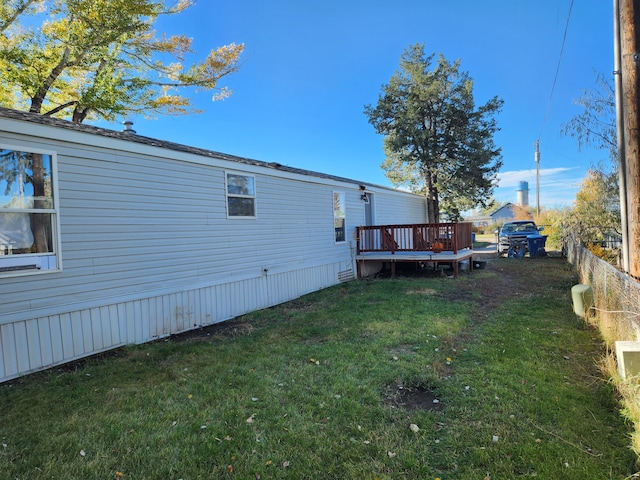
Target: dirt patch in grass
(229, 328)
(412, 398)
(514, 278)
(422, 291)
(508, 283)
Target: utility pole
(537, 158)
(629, 11)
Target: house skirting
(41, 341)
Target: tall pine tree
(435, 139)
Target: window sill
(12, 265)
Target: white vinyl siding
(128, 228)
(149, 250)
(397, 208)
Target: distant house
(510, 212)
(111, 238)
(480, 220)
(507, 212)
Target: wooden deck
(415, 243)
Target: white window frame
(233, 195)
(336, 216)
(35, 263)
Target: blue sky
(310, 67)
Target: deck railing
(415, 238)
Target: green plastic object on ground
(582, 296)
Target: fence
(617, 316)
(616, 295)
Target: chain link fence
(616, 313)
(616, 308)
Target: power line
(555, 78)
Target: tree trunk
(431, 198)
(433, 207)
(38, 99)
(39, 221)
(79, 114)
(16, 13)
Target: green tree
(596, 212)
(596, 125)
(101, 59)
(554, 222)
(435, 139)
(10, 10)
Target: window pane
(25, 180)
(240, 185)
(25, 233)
(339, 227)
(338, 205)
(241, 207)
(339, 214)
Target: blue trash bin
(535, 245)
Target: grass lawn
(488, 376)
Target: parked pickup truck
(515, 232)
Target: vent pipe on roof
(127, 126)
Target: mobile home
(111, 238)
